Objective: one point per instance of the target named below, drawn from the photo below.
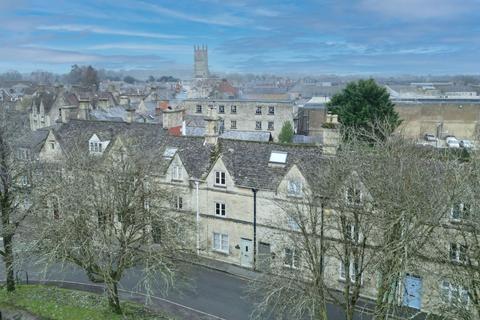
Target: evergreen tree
(286, 134)
(365, 105)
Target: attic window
(169, 152)
(278, 157)
(96, 147)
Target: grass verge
(56, 303)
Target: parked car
(467, 144)
(452, 142)
(429, 137)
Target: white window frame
(178, 202)
(24, 180)
(462, 209)
(221, 109)
(176, 172)
(198, 108)
(453, 294)
(271, 110)
(342, 275)
(294, 262)
(457, 253)
(354, 199)
(220, 209)
(220, 242)
(233, 109)
(271, 125)
(292, 224)
(258, 110)
(258, 125)
(233, 124)
(146, 204)
(294, 188)
(220, 178)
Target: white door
(246, 252)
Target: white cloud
(418, 9)
(224, 19)
(52, 56)
(265, 12)
(102, 30)
(145, 47)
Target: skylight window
(169, 152)
(278, 157)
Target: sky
(376, 37)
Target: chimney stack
(211, 126)
(130, 114)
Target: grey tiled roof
(246, 161)
(264, 136)
(149, 138)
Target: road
(209, 294)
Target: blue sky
(303, 36)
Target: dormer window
(220, 178)
(353, 196)
(96, 146)
(294, 188)
(176, 172)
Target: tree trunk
(8, 259)
(113, 300)
(380, 312)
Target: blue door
(412, 295)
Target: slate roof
(264, 136)
(149, 139)
(246, 161)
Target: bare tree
(15, 179)
(320, 223)
(294, 284)
(409, 188)
(459, 252)
(110, 214)
(373, 209)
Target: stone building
(245, 115)
(201, 61)
(223, 182)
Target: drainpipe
(198, 220)
(254, 228)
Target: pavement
(214, 290)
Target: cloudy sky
(281, 36)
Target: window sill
(223, 186)
(288, 267)
(352, 282)
(219, 215)
(297, 196)
(222, 252)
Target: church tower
(200, 61)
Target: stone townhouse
(46, 107)
(245, 115)
(234, 189)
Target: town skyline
(311, 37)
